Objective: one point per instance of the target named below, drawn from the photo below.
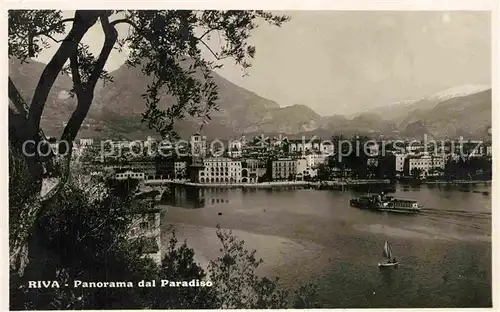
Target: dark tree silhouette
(166, 45)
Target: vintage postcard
(263, 157)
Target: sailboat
(388, 254)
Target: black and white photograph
(249, 159)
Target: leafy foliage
(104, 252)
(239, 287)
(165, 44)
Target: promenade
(273, 184)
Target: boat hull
(387, 265)
(399, 210)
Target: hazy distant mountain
(399, 112)
(459, 91)
(467, 116)
(117, 108)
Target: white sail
(387, 251)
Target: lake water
(308, 235)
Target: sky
(345, 62)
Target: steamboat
(383, 202)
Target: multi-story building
(400, 162)
(314, 160)
(250, 171)
(283, 169)
(302, 169)
(425, 165)
(220, 170)
(180, 169)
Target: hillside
(467, 116)
(117, 108)
(404, 112)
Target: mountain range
(117, 108)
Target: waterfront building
(165, 167)
(250, 171)
(302, 169)
(426, 165)
(220, 170)
(283, 169)
(180, 169)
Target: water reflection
(194, 197)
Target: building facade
(198, 145)
(400, 163)
(302, 169)
(314, 160)
(220, 170)
(283, 169)
(425, 165)
(180, 170)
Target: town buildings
(274, 159)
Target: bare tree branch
(86, 96)
(53, 39)
(111, 35)
(125, 21)
(217, 57)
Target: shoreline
(456, 182)
(304, 184)
(274, 184)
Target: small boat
(391, 262)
